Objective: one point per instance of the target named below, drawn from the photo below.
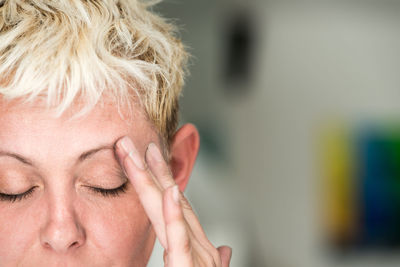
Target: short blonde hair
(63, 51)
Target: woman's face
(73, 206)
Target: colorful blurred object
(339, 186)
(361, 170)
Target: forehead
(36, 132)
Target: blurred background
(298, 107)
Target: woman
(91, 164)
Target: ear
(184, 149)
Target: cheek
(116, 229)
(119, 228)
(19, 230)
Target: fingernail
(155, 152)
(129, 148)
(175, 194)
(127, 144)
(134, 155)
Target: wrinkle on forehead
(39, 105)
(104, 123)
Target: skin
(65, 222)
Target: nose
(62, 231)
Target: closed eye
(16, 197)
(114, 192)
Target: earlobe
(184, 149)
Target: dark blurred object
(380, 191)
(239, 49)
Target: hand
(175, 224)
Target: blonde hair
(63, 51)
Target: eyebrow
(16, 156)
(85, 155)
(91, 152)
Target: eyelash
(17, 197)
(110, 192)
(104, 192)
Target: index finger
(147, 190)
(162, 174)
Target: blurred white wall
(320, 59)
(315, 61)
